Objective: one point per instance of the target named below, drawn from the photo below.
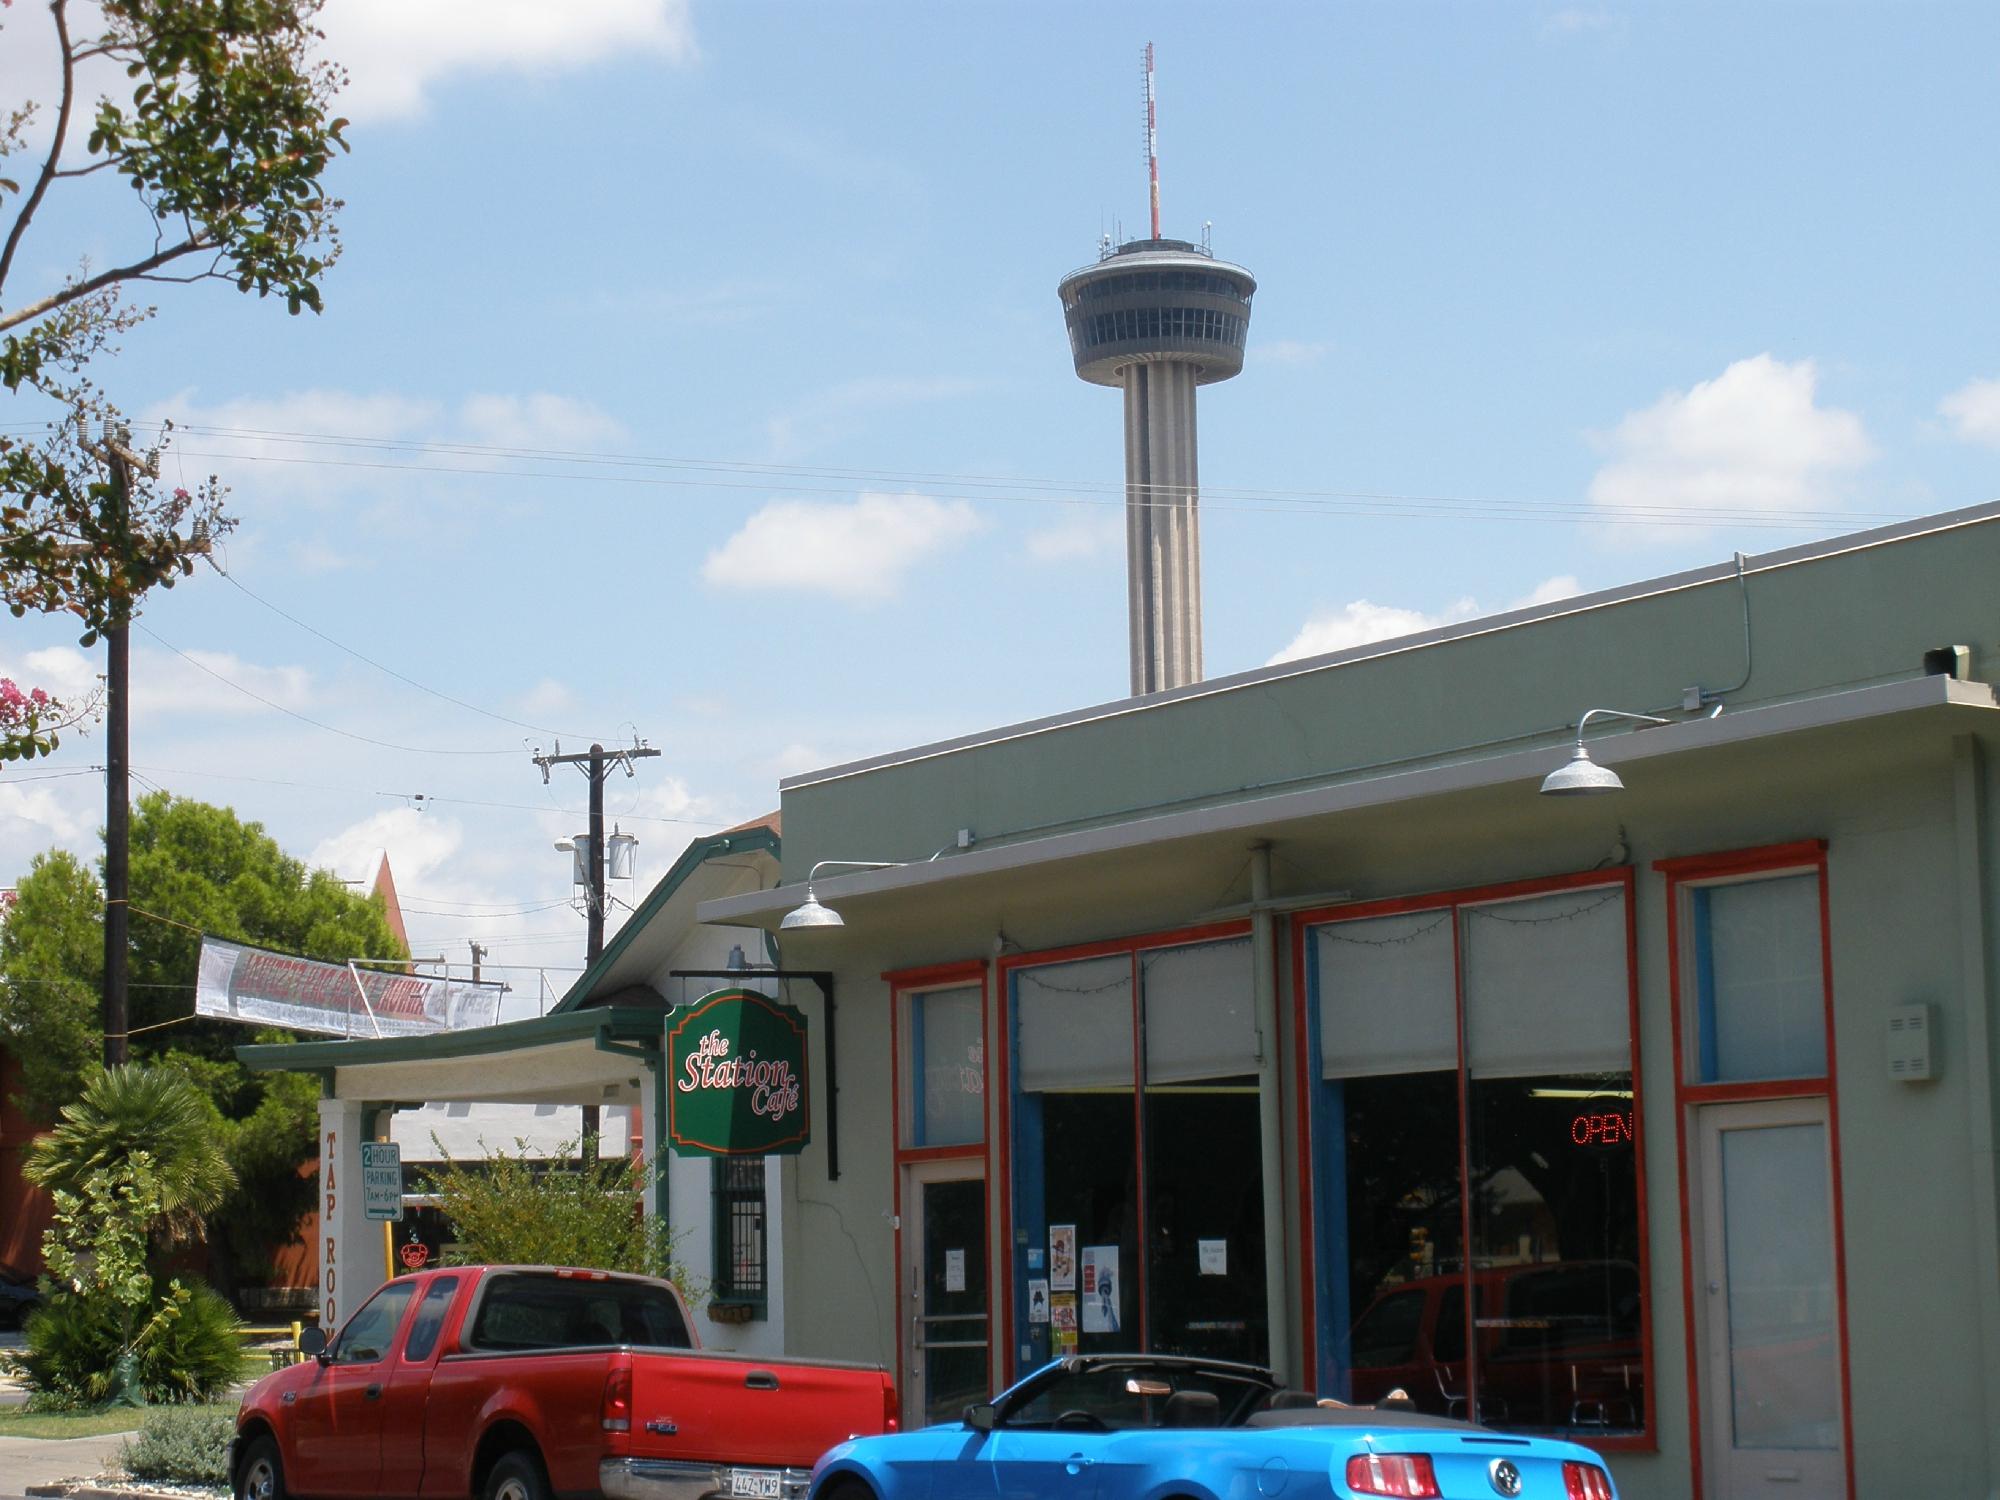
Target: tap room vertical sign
(737, 1077)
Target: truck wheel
(517, 1476)
(261, 1474)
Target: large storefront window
(1476, 1158)
(1137, 1191)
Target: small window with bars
(741, 1260)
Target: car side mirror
(981, 1416)
(312, 1343)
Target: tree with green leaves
(219, 119)
(196, 868)
(159, 1110)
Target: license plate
(755, 1484)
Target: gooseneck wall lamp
(809, 913)
(1583, 776)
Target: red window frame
(904, 983)
(1303, 922)
(1000, 1071)
(1806, 856)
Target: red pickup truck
(532, 1383)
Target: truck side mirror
(981, 1417)
(312, 1343)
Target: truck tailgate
(725, 1408)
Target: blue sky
(1589, 293)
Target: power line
(426, 798)
(743, 474)
(307, 719)
(391, 671)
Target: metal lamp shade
(810, 914)
(1580, 777)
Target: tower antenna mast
(1152, 143)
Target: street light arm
(852, 864)
(1615, 713)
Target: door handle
(373, 1393)
(1078, 1463)
(761, 1380)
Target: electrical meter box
(1910, 1043)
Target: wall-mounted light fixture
(809, 913)
(1582, 775)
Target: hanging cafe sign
(736, 1065)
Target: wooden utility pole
(596, 764)
(116, 454)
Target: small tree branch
(96, 166)
(60, 10)
(138, 270)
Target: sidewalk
(33, 1461)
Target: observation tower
(1157, 318)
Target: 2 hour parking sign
(382, 1180)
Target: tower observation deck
(1157, 318)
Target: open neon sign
(1610, 1129)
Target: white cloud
(536, 421)
(44, 814)
(1363, 622)
(419, 844)
(1296, 352)
(1548, 591)
(856, 552)
(547, 696)
(832, 412)
(1754, 440)
(1092, 534)
(396, 52)
(199, 682)
(1974, 412)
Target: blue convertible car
(1150, 1427)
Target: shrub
(188, 1349)
(183, 1444)
(521, 1209)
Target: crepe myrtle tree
(219, 121)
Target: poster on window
(1062, 1257)
(1062, 1315)
(1038, 1301)
(1099, 1266)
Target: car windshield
(1137, 1394)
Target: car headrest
(1192, 1409)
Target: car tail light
(1586, 1482)
(617, 1412)
(1407, 1475)
(890, 1419)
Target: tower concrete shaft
(1158, 318)
(1162, 527)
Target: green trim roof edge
(741, 841)
(624, 1023)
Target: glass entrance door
(946, 1326)
(1770, 1398)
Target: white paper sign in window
(1547, 985)
(1075, 1024)
(1200, 1014)
(1387, 1000)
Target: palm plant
(135, 1108)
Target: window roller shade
(1387, 1001)
(1075, 1025)
(1200, 1013)
(1546, 985)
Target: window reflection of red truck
(1558, 1345)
